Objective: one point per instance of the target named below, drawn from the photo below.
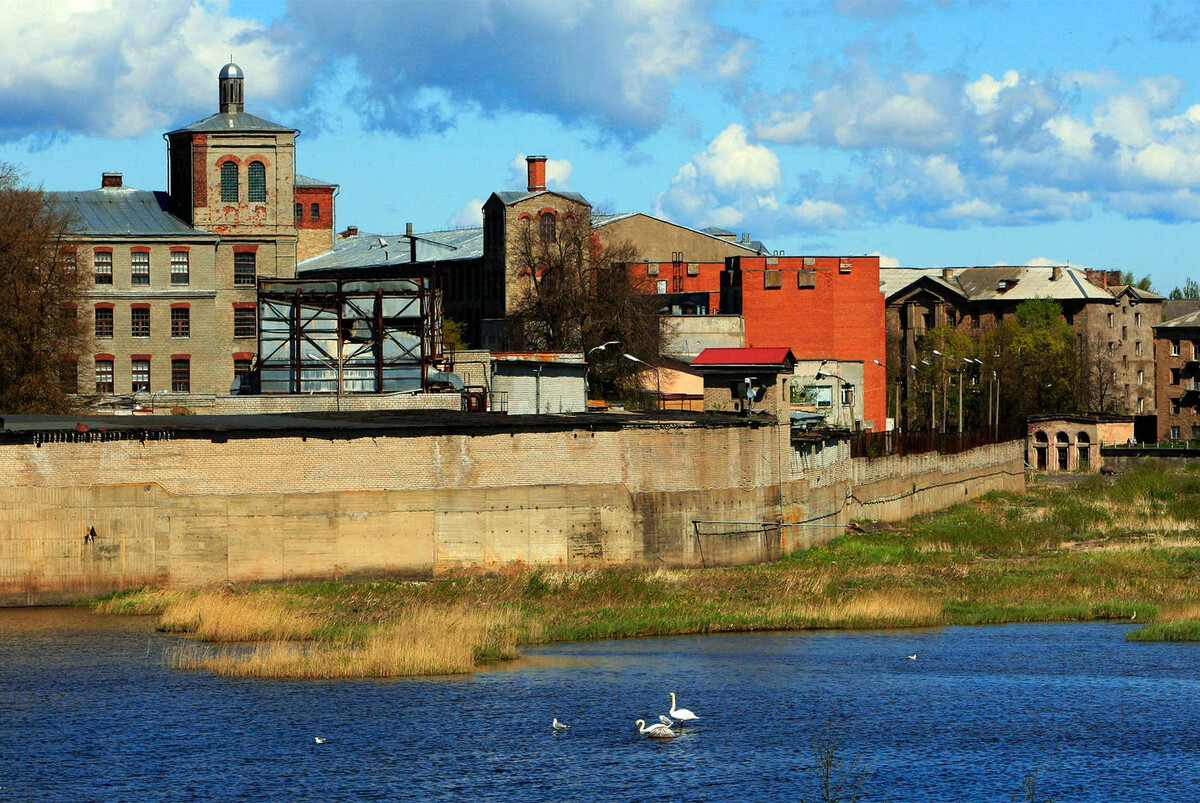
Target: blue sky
(933, 133)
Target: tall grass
(216, 616)
(421, 642)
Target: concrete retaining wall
(190, 512)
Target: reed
(218, 616)
(420, 642)
(141, 602)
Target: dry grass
(420, 642)
(219, 616)
(143, 602)
(871, 610)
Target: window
(104, 322)
(298, 210)
(772, 279)
(229, 182)
(660, 287)
(1141, 377)
(241, 367)
(181, 322)
(844, 265)
(139, 267)
(180, 267)
(245, 323)
(1174, 376)
(104, 376)
(139, 322)
(1137, 319)
(256, 181)
(652, 269)
(806, 279)
(1174, 348)
(693, 269)
(314, 211)
(1110, 348)
(181, 374)
(1196, 349)
(1175, 403)
(243, 267)
(549, 233)
(1141, 405)
(141, 376)
(1175, 432)
(1137, 348)
(847, 395)
(1124, 331)
(974, 320)
(103, 261)
(68, 260)
(1111, 320)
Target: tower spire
(232, 99)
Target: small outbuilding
(1072, 442)
(747, 379)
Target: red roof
(738, 357)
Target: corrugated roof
(232, 122)
(124, 212)
(755, 247)
(1185, 321)
(743, 357)
(509, 198)
(365, 250)
(1174, 308)
(308, 181)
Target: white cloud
(820, 214)
(470, 215)
(732, 161)
(885, 261)
(120, 69)
(985, 92)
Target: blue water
(88, 713)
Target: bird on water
(319, 740)
(680, 714)
(559, 727)
(656, 730)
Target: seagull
(655, 731)
(319, 740)
(912, 657)
(558, 726)
(680, 714)
(1131, 618)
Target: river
(89, 713)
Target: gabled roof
(365, 250)
(754, 247)
(770, 357)
(124, 212)
(1134, 292)
(510, 198)
(933, 282)
(1187, 321)
(1002, 282)
(233, 123)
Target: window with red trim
(139, 267)
(104, 323)
(104, 376)
(181, 322)
(181, 375)
(140, 376)
(139, 322)
(102, 262)
(245, 322)
(243, 268)
(549, 227)
(180, 267)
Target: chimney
(537, 173)
(947, 273)
(111, 180)
(412, 242)
(1097, 277)
(1056, 273)
(350, 231)
(1114, 278)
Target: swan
(558, 726)
(666, 720)
(319, 740)
(655, 731)
(680, 714)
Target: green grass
(1187, 630)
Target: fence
(880, 444)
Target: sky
(943, 133)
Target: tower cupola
(231, 80)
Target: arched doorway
(1041, 447)
(1062, 451)
(1083, 451)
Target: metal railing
(881, 444)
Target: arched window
(1061, 437)
(229, 182)
(1040, 437)
(256, 181)
(549, 233)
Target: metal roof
(744, 357)
(231, 70)
(367, 250)
(509, 198)
(233, 122)
(124, 212)
(1186, 321)
(308, 181)
(1001, 282)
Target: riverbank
(1128, 549)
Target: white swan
(666, 720)
(319, 739)
(655, 731)
(558, 726)
(680, 714)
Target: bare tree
(41, 333)
(1099, 392)
(576, 293)
(833, 776)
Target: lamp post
(337, 369)
(657, 378)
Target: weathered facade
(1177, 377)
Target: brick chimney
(111, 180)
(350, 231)
(1056, 273)
(537, 173)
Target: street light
(337, 369)
(657, 378)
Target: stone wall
(189, 511)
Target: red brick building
(822, 308)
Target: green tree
(945, 374)
(453, 338)
(1190, 289)
(1143, 283)
(40, 291)
(1033, 359)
